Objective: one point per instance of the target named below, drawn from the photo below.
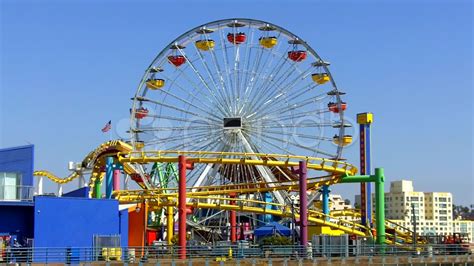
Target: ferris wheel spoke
(182, 100)
(194, 94)
(283, 77)
(205, 147)
(268, 62)
(267, 137)
(282, 90)
(199, 76)
(267, 81)
(273, 119)
(164, 128)
(246, 61)
(266, 65)
(206, 66)
(173, 138)
(265, 143)
(222, 81)
(292, 134)
(287, 108)
(252, 75)
(201, 120)
(279, 98)
(226, 60)
(181, 110)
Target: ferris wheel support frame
(262, 170)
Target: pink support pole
(116, 181)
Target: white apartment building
(432, 210)
(465, 227)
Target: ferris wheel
(239, 85)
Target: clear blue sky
(67, 68)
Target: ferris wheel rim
(219, 24)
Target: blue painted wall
(78, 193)
(18, 159)
(72, 222)
(17, 220)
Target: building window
(10, 186)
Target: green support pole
(378, 178)
(380, 205)
(97, 189)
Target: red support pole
(303, 205)
(182, 207)
(233, 222)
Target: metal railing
(16, 193)
(226, 252)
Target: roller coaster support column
(325, 191)
(116, 181)
(378, 178)
(365, 120)
(303, 205)
(233, 221)
(380, 205)
(183, 165)
(169, 224)
(109, 176)
(97, 188)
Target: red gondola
(333, 107)
(177, 60)
(297, 56)
(138, 178)
(237, 38)
(141, 113)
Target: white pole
(40, 186)
(81, 181)
(60, 190)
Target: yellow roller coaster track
(201, 197)
(93, 161)
(264, 159)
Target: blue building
(16, 193)
(71, 221)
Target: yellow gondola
(139, 145)
(155, 84)
(205, 45)
(268, 42)
(346, 140)
(320, 78)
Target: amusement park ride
(229, 121)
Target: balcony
(16, 193)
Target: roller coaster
(238, 99)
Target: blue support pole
(325, 192)
(368, 188)
(109, 177)
(365, 120)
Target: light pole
(414, 225)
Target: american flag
(107, 126)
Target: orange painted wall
(136, 226)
